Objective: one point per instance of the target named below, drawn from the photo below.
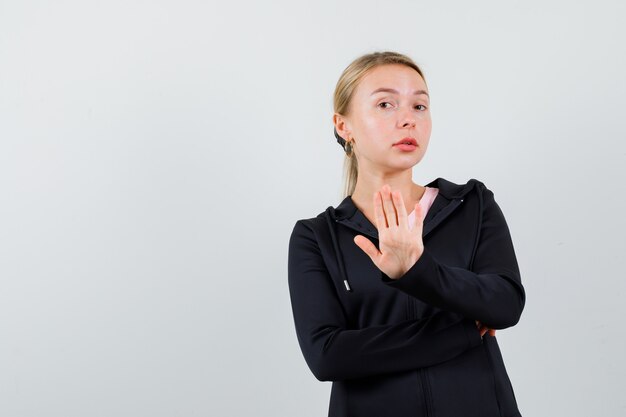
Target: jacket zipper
(411, 308)
(423, 372)
(426, 391)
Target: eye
(424, 107)
(381, 104)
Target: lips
(407, 140)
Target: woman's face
(390, 103)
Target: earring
(349, 149)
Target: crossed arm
(491, 293)
(335, 352)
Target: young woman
(397, 292)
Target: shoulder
(310, 227)
(453, 190)
(345, 208)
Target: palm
(399, 245)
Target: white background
(155, 155)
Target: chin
(412, 158)
(404, 165)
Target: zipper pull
(345, 282)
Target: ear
(341, 125)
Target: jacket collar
(448, 198)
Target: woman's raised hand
(399, 245)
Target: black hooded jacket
(409, 347)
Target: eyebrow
(391, 90)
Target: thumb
(368, 247)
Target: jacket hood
(450, 195)
(346, 209)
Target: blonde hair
(344, 91)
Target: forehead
(399, 77)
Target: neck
(368, 183)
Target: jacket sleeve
(333, 351)
(491, 292)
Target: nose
(407, 119)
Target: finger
(368, 247)
(390, 211)
(492, 332)
(400, 209)
(379, 214)
(483, 330)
